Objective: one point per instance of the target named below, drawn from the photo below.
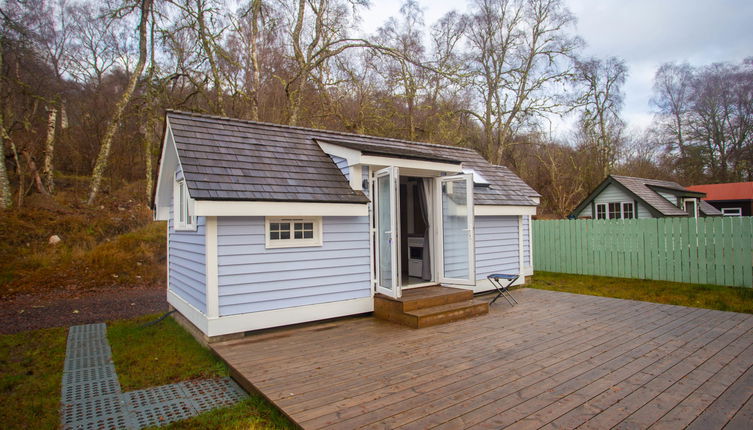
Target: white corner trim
(230, 208)
(521, 247)
(281, 317)
(530, 246)
(380, 161)
(212, 290)
(355, 179)
(194, 315)
(489, 210)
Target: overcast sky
(645, 33)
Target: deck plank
(557, 360)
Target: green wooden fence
(715, 250)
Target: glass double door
(452, 242)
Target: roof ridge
(295, 127)
(648, 179)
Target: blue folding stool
(497, 279)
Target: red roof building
(733, 198)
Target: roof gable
(647, 191)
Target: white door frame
(393, 175)
(439, 239)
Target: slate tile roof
(230, 159)
(646, 189)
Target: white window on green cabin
(601, 211)
(628, 210)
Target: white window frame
(732, 211)
(605, 205)
(316, 240)
(183, 215)
(622, 209)
(606, 210)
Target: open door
(387, 231)
(454, 233)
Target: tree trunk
(209, 50)
(49, 150)
(6, 199)
(34, 172)
(255, 16)
(148, 137)
(112, 125)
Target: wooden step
(428, 306)
(426, 297)
(441, 314)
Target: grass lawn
(673, 293)
(31, 368)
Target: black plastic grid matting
(163, 413)
(91, 396)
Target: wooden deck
(557, 360)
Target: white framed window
(290, 232)
(615, 210)
(601, 211)
(183, 207)
(628, 210)
(732, 211)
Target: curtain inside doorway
(424, 191)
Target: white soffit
(490, 210)
(230, 208)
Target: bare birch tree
(600, 123)
(6, 196)
(49, 149)
(318, 33)
(144, 7)
(519, 50)
(402, 36)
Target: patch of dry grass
(114, 243)
(673, 293)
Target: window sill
(294, 245)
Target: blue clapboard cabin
(272, 225)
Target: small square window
(283, 232)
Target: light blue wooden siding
(342, 164)
(612, 194)
(669, 196)
(253, 278)
(497, 246)
(526, 242)
(187, 262)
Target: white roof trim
(355, 157)
(244, 208)
(490, 210)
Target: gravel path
(66, 308)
